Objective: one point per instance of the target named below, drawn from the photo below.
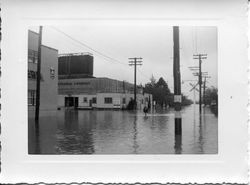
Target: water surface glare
(123, 132)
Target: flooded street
(124, 132)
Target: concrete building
(49, 79)
(102, 93)
(80, 89)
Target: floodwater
(123, 132)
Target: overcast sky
(154, 43)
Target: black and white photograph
(124, 92)
(122, 89)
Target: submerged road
(123, 132)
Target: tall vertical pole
(38, 79)
(135, 84)
(177, 82)
(177, 75)
(123, 86)
(200, 57)
(200, 83)
(134, 62)
(204, 90)
(194, 97)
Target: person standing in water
(145, 109)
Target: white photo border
(230, 165)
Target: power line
(145, 76)
(86, 46)
(106, 57)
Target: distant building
(49, 79)
(80, 89)
(75, 65)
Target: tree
(211, 95)
(211, 98)
(150, 86)
(152, 80)
(160, 91)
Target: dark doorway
(76, 102)
(71, 102)
(90, 103)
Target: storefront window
(94, 100)
(108, 100)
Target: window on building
(123, 100)
(32, 74)
(31, 97)
(32, 56)
(108, 100)
(85, 99)
(94, 100)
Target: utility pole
(135, 62)
(200, 57)
(177, 75)
(177, 82)
(204, 88)
(38, 79)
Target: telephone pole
(135, 62)
(200, 57)
(177, 84)
(38, 79)
(204, 88)
(177, 75)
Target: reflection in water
(194, 123)
(71, 122)
(135, 144)
(200, 134)
(178, 133)
(73, 139)
(178, 144)
(123, 132)
(37, 141)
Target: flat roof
(75, 54)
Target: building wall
(88, 98)
(75, 65)
(94, 85)
(49, 82)
(33, 40)
(117, 100)
(60, 100)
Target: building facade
(101, 93)
(49, 78)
